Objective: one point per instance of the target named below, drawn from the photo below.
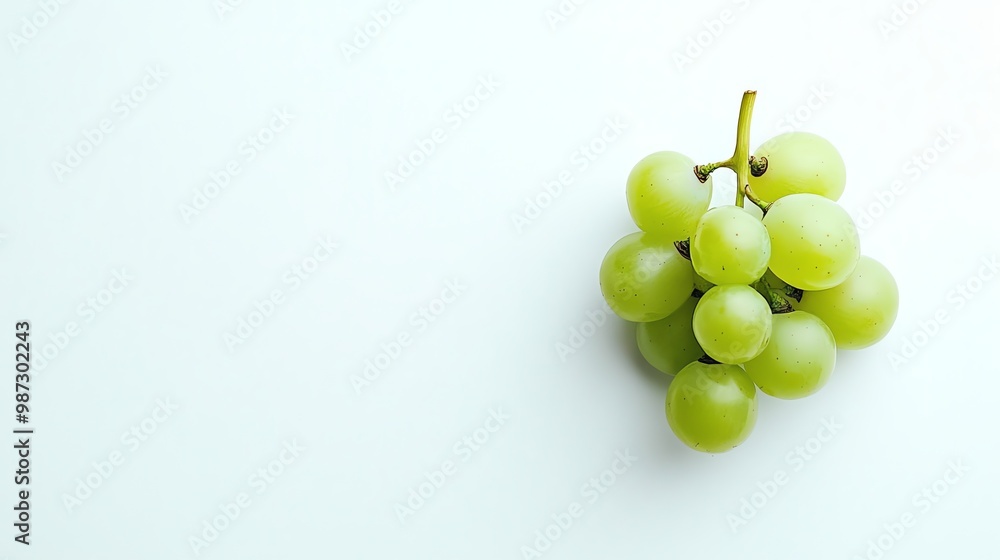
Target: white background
(889, 93)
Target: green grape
(862, 309)
(799, 162)
(669, 344)
(644, 278)
(730, 246)
(665, 197)
(799, 358)
(712, 407)
(732, 323)
(814, 242)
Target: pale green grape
(800, 162)
(814, 242)
(730, 246)
(665, 197)
(712, 407)
(862, 309)
(732, 323)
(669, 344)
(644, 278)
(799, 358)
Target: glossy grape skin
(711, 407)
(861, 310)
(669, 344)
(730, 246)
(732, 323)
(800, 162)
(644, 278)
(814, 242)
(665, 197)
(798, 360)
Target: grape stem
(762, 204)
(740, 161)
(794, 293)
(775, 300)
(789, 290)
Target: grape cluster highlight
(729, 303)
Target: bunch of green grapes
(729, 303)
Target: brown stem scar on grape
(758, 166)
(684, 248)
(702, 176)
